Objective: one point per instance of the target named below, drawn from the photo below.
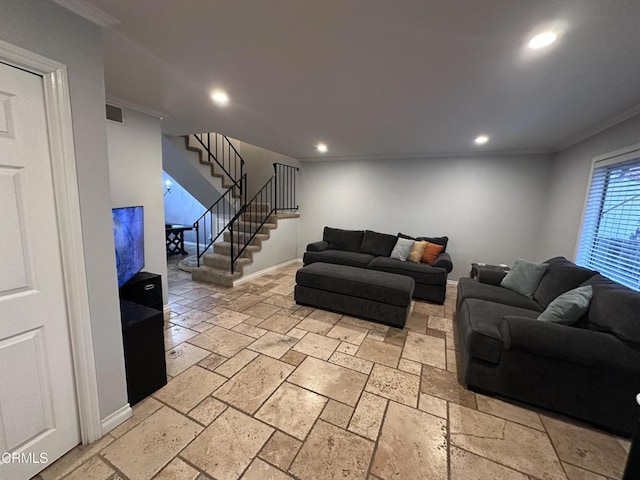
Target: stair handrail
(235, 179)
(286, 176)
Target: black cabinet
(143, 338)
(144, 288)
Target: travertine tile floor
(263, 389)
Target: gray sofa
(590, 370)
(371, 250)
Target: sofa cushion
(420, 272)
(377, 244)
(437, 240)
(357, 282)
(560, 277)
(347, 240)
(479, 322)
(614, 308)
(524, 277)
(569, 307)
(417, 250)
(431, 253)
(402, 249)
(338, 257)
(469, 288)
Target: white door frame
(65, 185)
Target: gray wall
(50, 30)
(569, 181)
(491, 208)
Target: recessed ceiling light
(481, 139)
(322, 148)
(542, 40)
(220, 97)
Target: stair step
(258, 207)
(242, 237)
(258, 217)
(251, 226)
(224, 248)
(223, 262)
(214, 275)
(288, 215)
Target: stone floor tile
(333, 381)
(293, 358)
(196, 293)
(319, 322)
(348, 333)
(296, 333)
(510, 444)
(509, 411)
(74, 458)
(468, 466)
(412, 444)
(451, 340)
(227, 447)
(358, 364)
(396, 336)
(301, 312)
(94, 468)
(259, 470)
(236, 363)
(337, 413)
(212, 362)
(222, 341)
(428, 308)
(292, 409)
(175, 335)
(191, 319)
(437, 333)
(425, 349)
(440, 323)
(207, 410)
(452, 360)
(410, 366)
(347, 348)
(177, 470)
(228, 319)
(378, 332)
(273, 344)
(243, 302)
(394, 384)
(147, 448)
(358, 322)
(433, 405)
(140, 411)
(586, 448)
(331, 453)
(379, 352)
(577, 473)
(253, 321)
(368, 415)
(261, 310)
(179, 358)
(249, 330)
(189, 388)
(250, 387)
(280, 450)
(624, 443)
(317, 346)
(443, 384)
(280, 301)
(417, 322)
(279, 323)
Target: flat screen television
(128, 235)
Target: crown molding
(90, 12)
(119, 102)
(600, 127)
(426, 155)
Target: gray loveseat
(590, 370)
(371, 250)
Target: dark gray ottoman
(379, 296)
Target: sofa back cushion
(349, 240)
(378, 244)
(524, 277)
(437, 240)
(560, 277)
(614, 309)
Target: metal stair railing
(224, 155)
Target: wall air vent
(115, 114)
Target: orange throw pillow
(431, 252)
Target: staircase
(233, 229)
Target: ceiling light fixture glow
(542, 40)
(322, 148)
(481, 139)
(220, 97)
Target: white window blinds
(610, 237)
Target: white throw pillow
(402, 249)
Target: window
(610, 237)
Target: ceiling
(378, 77)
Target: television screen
(128, 234)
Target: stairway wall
(281, 246)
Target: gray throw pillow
(569, 307)
(402, 249)
(524, 277)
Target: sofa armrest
(444, 261)
(318, 246)
(490, 276)
(596, 350)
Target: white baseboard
(116, 418)
(264, 271)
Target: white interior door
(38, 406)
